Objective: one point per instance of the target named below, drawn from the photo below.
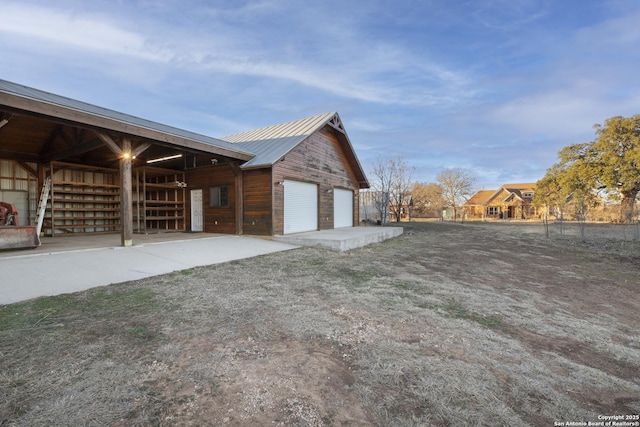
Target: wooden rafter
(29, 169)
(141, 148)
(66, 138)
(73, 150)
(109, 142)
(47, 147)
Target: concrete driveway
(28, 275)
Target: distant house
(402, 209)
(511, 201)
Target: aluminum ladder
(42, 204)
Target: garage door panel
(342, 208)
(300, 207)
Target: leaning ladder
(42, 204)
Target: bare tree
(380, 188)
(391, 187)
(457, 186)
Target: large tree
(616, 160)
(570, 182)
(611, 163)
(457, 186)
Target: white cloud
(613, 33)
(382, 73)
(508, 14)
(80, 31)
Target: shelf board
(67, 209)
(83, 184)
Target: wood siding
(319, 160)
(216, 219)
(257, 193)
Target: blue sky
(495, 86)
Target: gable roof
(483, 197)
(480, 197)
(257, 148)
(272, 143)
(512, 190)
(32, 100)
(520, 188)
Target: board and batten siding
(215, 219)
(319, 160)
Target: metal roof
(259, 147)
(26, 92)
(271, 143)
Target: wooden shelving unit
(158, 200)
(84, 199)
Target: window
(528, 195)
(219, 197)
(493, 210)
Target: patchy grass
(458, 311)
(448, 324)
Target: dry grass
(447, 325)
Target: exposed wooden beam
(47, 147)
(21, 157)
(66, 138)
(78, 135)
(74, 117)
(28, 168)
(109, 142)
(141, 148)
(235, 168)
(74, 150)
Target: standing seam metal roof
(263, 146)
(271, 143)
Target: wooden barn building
(112, 172)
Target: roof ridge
(304, 126)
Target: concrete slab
(342, 239)
(27, 275)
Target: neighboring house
(112, 172)
(404, 209)
(511, 201)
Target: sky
(496, 87)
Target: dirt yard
(449, 324)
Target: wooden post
(239, 198)
(126, 194)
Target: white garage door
(300, 207)
(342, 208)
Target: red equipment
(8, 214)
(12, 236)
